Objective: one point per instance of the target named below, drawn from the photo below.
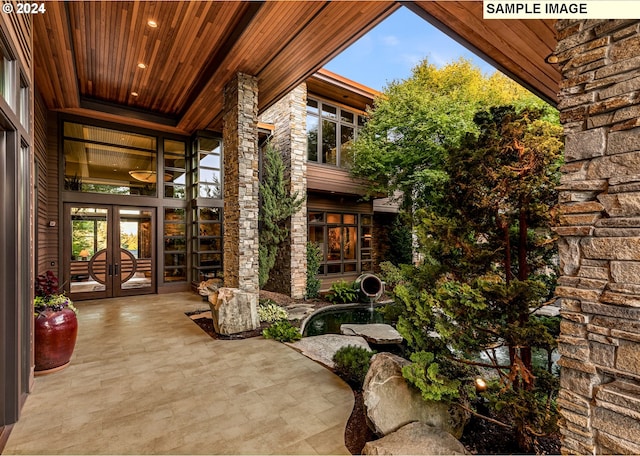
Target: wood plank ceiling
(87, 53)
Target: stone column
(600, 236)
(240, 135)
(289, 117)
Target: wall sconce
(551, 58)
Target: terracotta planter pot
(55, 339)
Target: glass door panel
(110, 251)
(87, 255)
(134, 263)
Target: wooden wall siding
(51, 243)
(332, 179)
(20, 33)
(40, 152)
(344, 203)
(519, 47)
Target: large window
(344, 240)
(330, 132)
(101, 160)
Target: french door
(109, 251)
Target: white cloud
(390, 40)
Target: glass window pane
(175, 274)
(209, 175)
(350, 243)
(210, 161)
(175, 244)
(361, 121)
(316, 217)
(210, 244)
(312, 138)
(109, 136)
(366, 219)
(346, 143)
(349, 219)
(349, 267)
(209, 145)
(209, 229)
(209, 191)
(334, 243)
(366, 237)
(329, 142)
(346, 116)
(316, 234)
(334, 268)
(334, 218)
(312, 106)
(177, 214)
(175, 259)
(365, 255)
(175, 229)
(174, 154)
(329, 111)
(209, 213)
(210, 259)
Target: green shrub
(343, 292)
(352, 364)
(314, 258)
(282, 331)
(269, 311)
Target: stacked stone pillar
(240, 136)
(600, 236)
(289, 118)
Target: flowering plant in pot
(55, 326)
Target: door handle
(116, 269)
(110, 270)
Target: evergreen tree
(276, 206)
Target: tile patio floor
(145, 379)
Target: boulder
(376, 333)
(416, 438)
(322, 348)
(234, 311)
(390, 402)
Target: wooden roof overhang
(87, 53)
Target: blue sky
(390, 50)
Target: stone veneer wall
(600, 236)
(289, 117)
(240, 135)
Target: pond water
(328, 321)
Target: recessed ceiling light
(134, 94)
(142, 65)
(151, 23)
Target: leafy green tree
(411, 128)
(488, 247)
(276, 206)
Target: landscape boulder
(416, 438)
(375, 333)
(234, 311)
(391, 402)
(322, 348)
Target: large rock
(376, 333)
(234, 311)
(416, 438)
(322, 348)
(391, 403)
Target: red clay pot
(55, 339)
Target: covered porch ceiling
(87, 53)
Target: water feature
(329, 319)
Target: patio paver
(145, 379)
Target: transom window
(330, 132)
(345, 240)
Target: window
(330, 133)
(207, 243)
(207, 165)
(175, 245)
(175, 173)
(102, 160)
(344, 240)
